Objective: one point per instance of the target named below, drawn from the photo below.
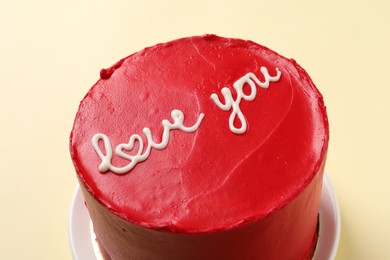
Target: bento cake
(202, 148)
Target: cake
(202, 148)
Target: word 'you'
(234, 105)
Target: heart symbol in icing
(119, 150)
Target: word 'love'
(141, 155)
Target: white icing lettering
(234, 105)
(141, 155)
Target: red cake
(202, 148)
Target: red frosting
(209, 180)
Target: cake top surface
(199, 134)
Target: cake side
(287, 234)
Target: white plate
(329, 237)
(84, 247)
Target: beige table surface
(51, 53)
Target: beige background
(51, 53)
